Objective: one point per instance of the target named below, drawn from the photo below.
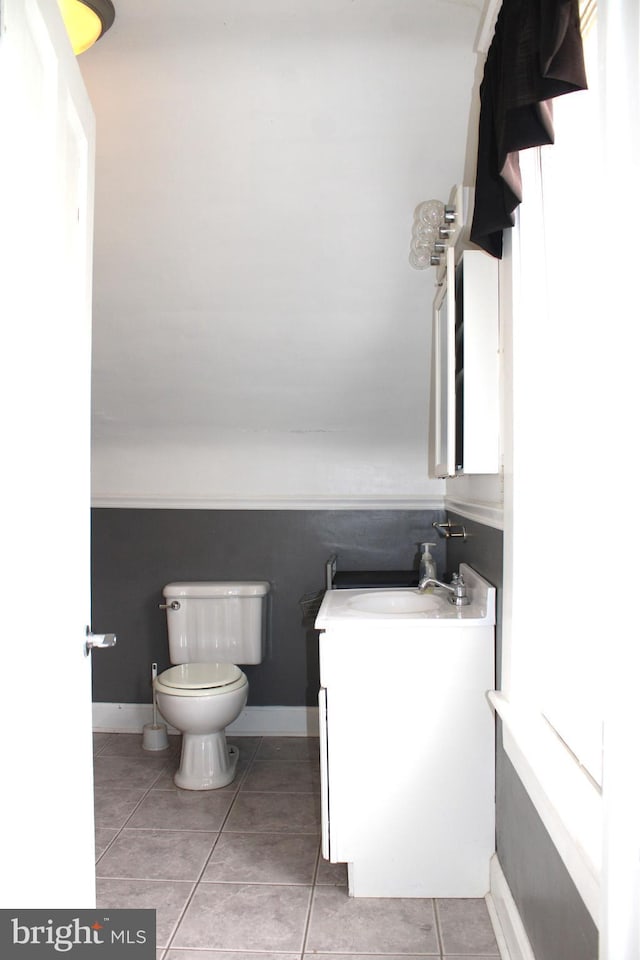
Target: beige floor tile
(247, 917)
(334, 874)
(127, 772)
(157, 854)
(99, 740)
(374, 956)
(167, 898)
(274, 813)
(279, 776)
(466, 928)
(114, 805)
(227, 955)
(343, 924)
(182, 809)
(263, 858)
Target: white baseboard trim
(252, 722)
(511, 936)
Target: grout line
(317, 866)
(436, 914)
(108, 846)
(312, 894)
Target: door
(46, 183)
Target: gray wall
(557, 922)
(135, 552)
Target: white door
(46, 202)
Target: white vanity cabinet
(407, 744)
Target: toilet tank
(218, 620)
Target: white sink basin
(395, 602)
(403, 608)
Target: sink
(406, 609)
(395, 602)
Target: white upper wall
(258, 331)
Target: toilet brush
(154, 735)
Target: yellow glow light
(83, 24)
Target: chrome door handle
(100, 640)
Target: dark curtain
(536, 55)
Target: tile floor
(236, 873)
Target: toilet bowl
(201, 699)
(209, 626)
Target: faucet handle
(459, 588)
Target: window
(556, 614)
(568, 248)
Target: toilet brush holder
(154, 735)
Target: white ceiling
(258, 164)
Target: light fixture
(86, 21)
(438, 226)
(431, 229)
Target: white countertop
(349, 607)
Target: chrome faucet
(457, 588)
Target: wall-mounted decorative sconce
(86, 21)
(432, 226)
(437, 226)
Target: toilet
(212, 626)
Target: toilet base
(207, 762)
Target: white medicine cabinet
(465, 421)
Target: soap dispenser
(427, 563)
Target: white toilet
(212, 627)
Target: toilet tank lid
(219, 588)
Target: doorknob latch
(99, 640)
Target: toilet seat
(198, 679)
